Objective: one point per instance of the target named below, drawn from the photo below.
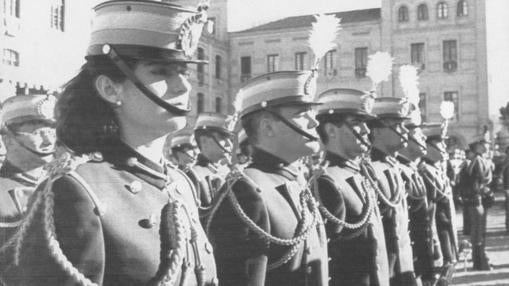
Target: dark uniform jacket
(248, 248)
(477, 178)
(421, 214)
(114, 224)
(357, 250)
(15, 191)
(394, 209)
(437, 182)
(206, 178)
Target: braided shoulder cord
(304, 229)
(365, 215)
(435, 187)
(374, 185)
(177, 234)
(421, 200)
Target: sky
(244, 14)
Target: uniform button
(214, 281)
(329, 259)
(328, 240)
(412, 243)
(330, 278)
(309, 270)
(135, 187)
(377, 267)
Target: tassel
(408, 80)
(322, 37)
(379, 68)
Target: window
(11, 8)
(462, 8)
(200, 104)
(403, 14)
(200, 69)
(422, 12)
(219, 104)
(212, 24)
(417, 55)
(219, 62)
(10, 57)
(442, 10)
(454, 98)
(450, 51)
(329, 66)
(300, 58)
(423, 105)
(361, 61)
(245, 68)
(272, 63)
(57, 14)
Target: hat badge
(405, 108)
(190, 31)
(367, 103)
(46, 107)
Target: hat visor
(147, 53)
(348, 111)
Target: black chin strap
(411, 138)
(124, 68)
(358, 136)
(291, 125)
(221, 146)
(37, 153)
(397, 132)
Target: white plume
(409, 81)
(323, 34)
(379, 67)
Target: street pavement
(497, 248)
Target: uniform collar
(340, 161)
(126, 158)
(270, 163)
(8, 170)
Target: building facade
(444, 39)
(42, 44)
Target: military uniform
(480, 176)
(421, 214)
(357, 250)
(182, 144)
(15, 191)
(391, 196)
(16, 185)
(267, 230)
(113, 223)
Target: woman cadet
(124, 216)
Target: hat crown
(392, 107)
(345, 100)
(275, 89)
(214, 121)
(28, 107)
(432, 129)
(160, 25)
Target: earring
(118, 103)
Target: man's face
(37, 136)
(288, 141)
(416, 149)
(345, 139)
(214, 144)
(388, 136)
(185, 156)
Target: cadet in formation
(213, 136)
(477, 198)
(126, 217)
(29, 134)
(182, 148)
(347, 201)
(421, 205)
(267, 229)
(388, 136)
(439, 187)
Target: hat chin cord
(291, 125)
(358, 136)
(124, 68)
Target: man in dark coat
(267, 229)
(357, 248)
(389, 135)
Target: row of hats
(23, 108)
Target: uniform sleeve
(333, 200)
(78, 232)
(241, 255)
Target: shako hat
(345, 101)
(21, 108)
(148, 30)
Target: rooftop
(306, 20)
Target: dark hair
(251, 123)
(85, 122)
